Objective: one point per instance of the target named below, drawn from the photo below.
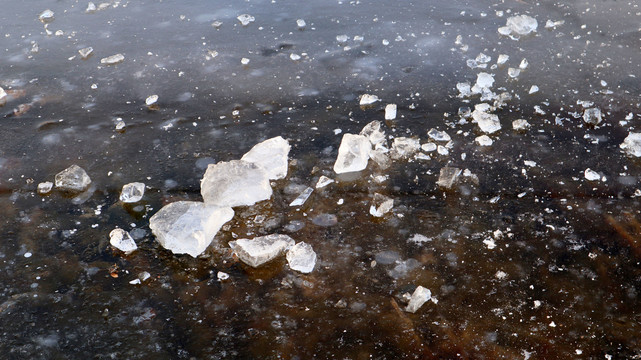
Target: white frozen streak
(257, 251)
(353, 154)
(420, 296)
(272, 155)
(301, 257)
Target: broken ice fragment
(442, 150)
(45, 187)
(245, 19)
(46, 16)
(632, 144)
(132, 192)
(323, 181)
(448, 177)
(301, 24)
(3, 97)
(488, 123)
(513, 72)
(342, 39)
(113, 59)
(151, 100)
(390, 112)
(502, 59)
(294, 57)
(483, 140)
(404, 147)
(300, 200)
(259, 250)
(464, 89)
(591, 175)
(235, 183)
(374, 134)
(381, 205)
(420, 296)
(217, 24)
(86, 52)
(419, 239)
(271, 155)
(553, 24)
(301, 257)
(121, 240)
(73, 179)
(533, 89)
(438, 135)
(244, 61)
(353, 154)
(483, 81)
(524, 64)
(91, 7)
(367, 99)
(222, 276)
(520, 125)
(428, 147)
(519, 25)
(592, 116)
(188, 227)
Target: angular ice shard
(592, 116)
(235, 183)
(420, 296)
(86, 52)
(73, 179)
(152, 99)
(373, 132)
(121, 240)
(46, 16)
(91, 8)
(404, 147)
(132, 192)
(301, 24)
(438, 135)
(300, 200)
(45, 187)
(323, 181)
(502, 59)
(513, 72)
(188, 227)
(484, 140)
(381, 205)
(591, 175)
(520, 125)
(353, 154)
(113, 59)
(448, 177)
(259, 250)
(519, 25)
(632, 144)
(367, 99)
(488, 123)
(301, 257)
(271, 155)
(245, 19)
(390, 111)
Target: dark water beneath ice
(562, 281)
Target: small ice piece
(245, 19)
(323, 181)
(489, 243)
(294, 57)
(222, 276)
(152, 99)
(442, 150)
(533, 89)
(272, 155)
(632, 144)
(428, 147)
(244, 61)
(235, 183)
(217, 24)
(464, 89)
(483, 59)
(353, 153)
(86, 52)
(390, 112)
(135, 282)
(519, 25)
(553, 24)
(300, 200)
(132, 192)
(46, 16)
(381, 205)
(484, 140)
(120, 125)
(45, 187)
(188, 227)
(437, 135)
(592, 116)
(342, 39)
(502, 59)
(73, 179)
(121, 240)
(368, 99)
(464, 112)
(513, 72)
(524, 64)
(404, 147)
(113, 59)
(419, 239)
(259, 250)
(448, 177)
(420, 296)
(301, 24)
(3, 97)
(373, 132)
(301, 257)
(484, 80)
(91, 7)
(591, 175)
(488, 123)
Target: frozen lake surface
(500, 187)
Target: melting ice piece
(301, 257)
(519, 25)
(245, 19)
(632, 144)
(404, 147)
(381, 205)
(448, 177)
(367, 99)
(300, 200)
(73, 178)
(373, 132)
(438, 135)
(353, 153)
(152, 99)
(86, 52)
(235, 183)
(271, 155)
(132, 192)
(592, 116)
(484, 81)
(121, 240)
(488, 123)
(513, 72)
(259, 250)
(188, 227)
(113, 59)
(420, 296)
(390, 112)
(46, 16)
(323, 181)
(464, 89)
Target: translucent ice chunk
(301, 257)
(73, 179)
(113, 59)
(519, 25)
(132, 192)
(272, 155)
(373, 132)
(524, 64)
(45, 187)
(323, 181)
(381, 205)
(257, 251)
(591, 175)
(502, 59)
(513, 72)
(121, 240)
(86, 52)
(632, 144)
(420, 296)
(520, 125)
(592, 116)
(91, 7)
(390, 112)
(46, 16)
(437, 135)
(301, 23)
(484, 80)
(3, 97)
(448, 177)
(188, 227)
(404, 147)
(235, 183)
(353, 154)
(488, 123)
(367, 99)
(246, 19)
(300, 200)
(533, 89)
(152, 99)
(484, 140)
(428, 147)
(464, 89)
(342, 38)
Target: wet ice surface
(532, 259)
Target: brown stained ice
(259, 250)
(235, 183)
(72, 179)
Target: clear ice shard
(368, 99)
(592, 116)
(519, 25)
(152, 99)
(188, 227)
(235, 183)
(353, 154)
(121, 240)
(271, 155)
(300, 200)
(420, 296)
(632, 144)
(259, 250)
(404, 147)
(73, 179)
(85, 53)
(438, 135)
(448, 177)
(381, 205)
(132, 192)
(301, 257)
(113, 59)
(488, 123)
(46, 16)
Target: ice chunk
(342, 39)
(132, 192)
(272, 155)
(353, 153)
(591, 175)
(113, 59)
(448, 177)
(235, 183)
(519, 25)
(188, 227)
(632, 144)
(420, 296)
(244, 61)
(91, 7)
(301, 24)
(380, 157)
(121, 240)
(483, 81)
(524, 64)
(533, 89)
(484, 140)
(438, 135)
(464, 89)
(86, 52)
(367, 99)
(300, 200)
(520, 125)
(259, 250)
(442, 150)
(301, 257)
(419, 239)
(404, 147)
(46, 16)
(390, 112)
(373, 132)
(222, 276)
(73, 179)
(246, 19)
(428, 147)
(592, 116)
(3, 97)
(381, 205)
(488, 123)
(294, 57)
(502, 59)
(323, 181)
(553, 24)
(152, 99)
(45, 187)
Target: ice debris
(73, 179)
(301, 24)
(245, 19)
(448, 177)
(45, 187)
(132, 192)
(46, 16)
(91, 8)
(235, 183)
(437, 135)
(513, 72)
(381, 205)
(3, 97)
(390, 111)
(484, 140)
(301, 257)
(404, 147)
(520, 125)
(420, 296)
(519, 25)
(502, 59)
(373, 132)
(367, 99)
(271, 155)
(151, 100)
(592, 116)
(113, 59)
(85, 53)
(631, 145)
(121, 240)
(353, 154)
(323, 181)
(488, 123)
(259, 250)
(188, 227)
(300, 200)
(591, 175)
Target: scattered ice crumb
(500, 275)
(484, 140)
(534, 89)
(489, 243)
